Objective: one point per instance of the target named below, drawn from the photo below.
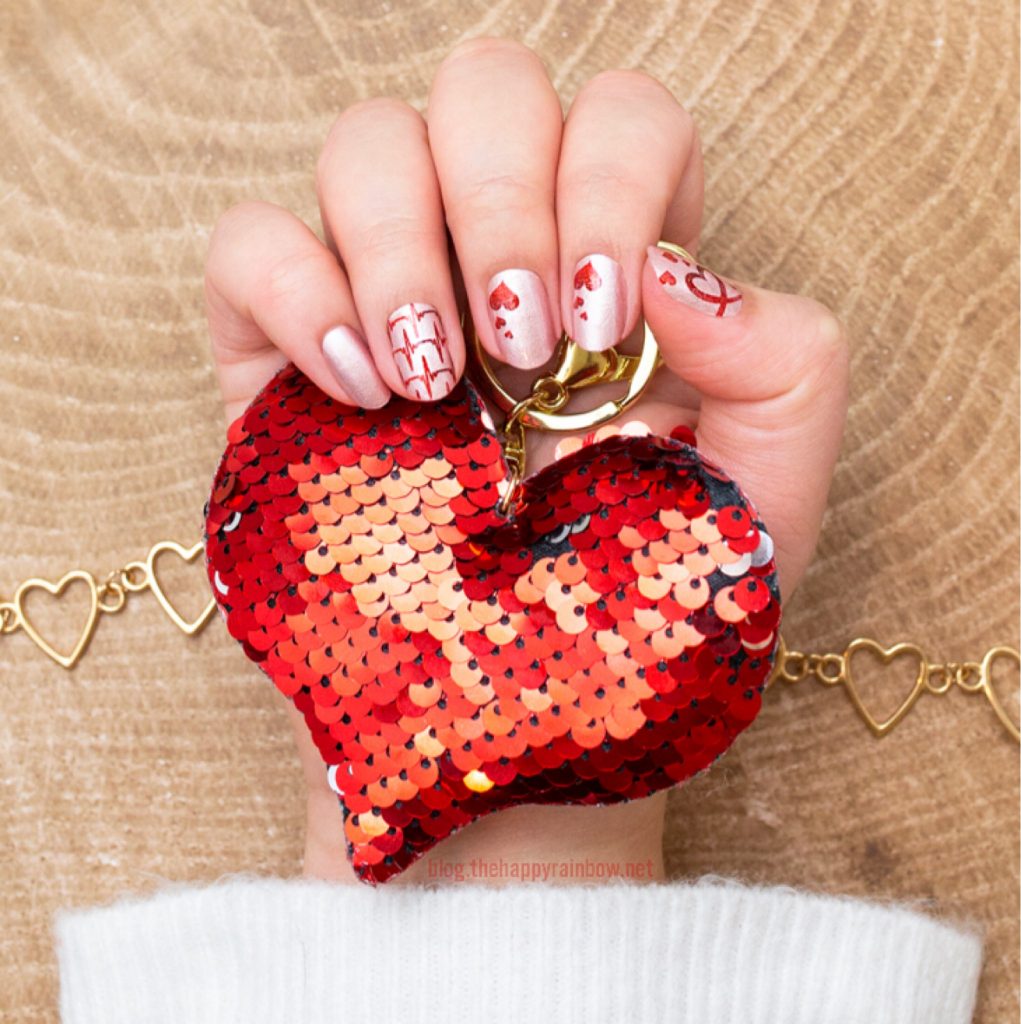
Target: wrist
(552, 844)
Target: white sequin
(764, 552)
(738, 568)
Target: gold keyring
(578, 368)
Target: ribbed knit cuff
(708, 953)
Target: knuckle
(686, 125)
(497, 196)
(382, 238)
(289, 275)
(237, 220)
(486, 49)
(363, 120)
(235, 225)
(829, 333)
(376, 109)
(649, 102)
(626, 82)
(828, 348)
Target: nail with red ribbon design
(685, 280)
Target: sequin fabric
(607, 638)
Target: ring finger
(630, 163)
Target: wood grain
(865, 153)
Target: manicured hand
(554, 223)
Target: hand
(551, 222)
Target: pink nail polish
(685, 279)
(600, 303)
(348, 355)
(421, 352)
(520, 317)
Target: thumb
(772, 372)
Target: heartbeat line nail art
(687, 281)
(421, 352)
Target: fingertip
(599, 306)
(712, 332)
(349, 360)
(520, 319)
(679, 287)
(680, 276)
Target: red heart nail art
(586, 277)
(606, 639)
(501, 297)
(600, 303)
(520, 316)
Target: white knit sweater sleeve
(708, 953)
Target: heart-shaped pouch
(606, 638)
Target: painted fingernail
(600, 303)
(421, 352)
(520, 317)
(349, 359)
(685, 279)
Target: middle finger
(494, 130)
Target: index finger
(274, 292)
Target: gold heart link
(188, 627)
(885, 655)
(55, 590)
(987, 686)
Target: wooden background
(864, 152)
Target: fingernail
(421, 352)
(685, 279)
(600, 303)
(349, 359)
(520, 317)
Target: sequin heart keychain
(462, 636)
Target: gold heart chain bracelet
(109, 595)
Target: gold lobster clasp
(576, 368)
